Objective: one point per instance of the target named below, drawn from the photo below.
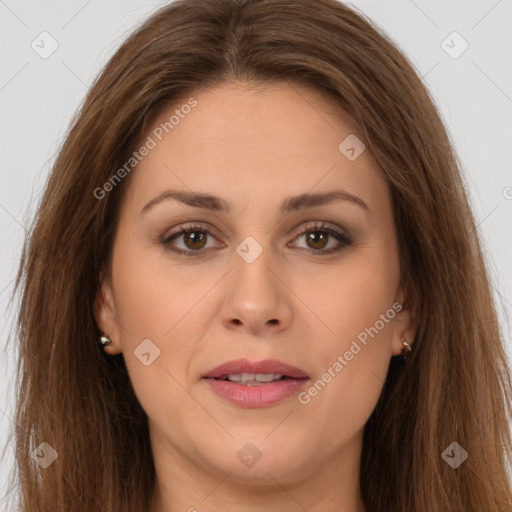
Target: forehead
(255, 144)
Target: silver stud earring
(105, 340)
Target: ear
(406, 319)
(105, 314)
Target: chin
(260, 462)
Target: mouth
(244, 371)
(255, 384)
(255, 379)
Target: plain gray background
(38, 96)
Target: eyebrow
(290, 204)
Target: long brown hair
(455, 387)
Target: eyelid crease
(338, 233)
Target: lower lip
(259, 395)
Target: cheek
(350, 296)
(355, 304)
(156, 305)
(153, 291)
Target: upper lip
(246, 366)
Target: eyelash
(314, 227)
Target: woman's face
(271, 269)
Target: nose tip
(256, 300)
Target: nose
(258, 301)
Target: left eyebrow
(304, 201)
(217, 204)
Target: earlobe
(105, 316)
(406, 323)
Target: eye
(194, 239)
(319, 234)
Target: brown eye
(317, 239)
(188, 241)
(194, 239)
(318, 236)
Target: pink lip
(260, 395)
(265, 366)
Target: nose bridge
(253, 272)
(256, 298)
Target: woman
(258, 216)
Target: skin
(254, 148)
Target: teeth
(252, 379)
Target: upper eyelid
(302, 229)
(199, 225)
(189, 227)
